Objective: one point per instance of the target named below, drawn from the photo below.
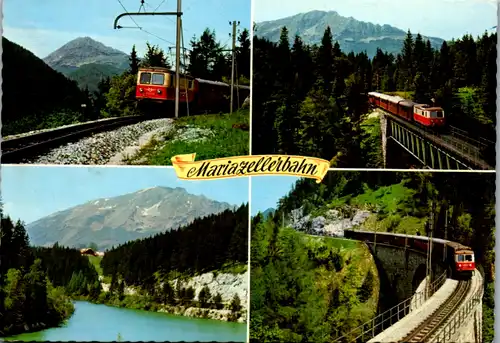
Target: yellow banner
(237, 166)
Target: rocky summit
(113, 221)
(352, 35)
(85, 50)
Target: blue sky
(43, 26)
(32, 192)
(267, 190)
(436, 18)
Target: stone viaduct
(402, 273)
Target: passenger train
(423, 114)
(157, 85)
(458, 257)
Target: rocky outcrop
(196, 312)
(227, 285)
(332, 223)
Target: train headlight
(158, 91)
(141, 90)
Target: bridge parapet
(410, 261)
(454, 150)
(465, 325)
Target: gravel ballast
(100, 148)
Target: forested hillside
(206, 244)
(402, 202)
(311, 100)
(36, 283)
(88, 76)
(305, 288)
(35, 95)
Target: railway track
(18, 150)
(424, 331)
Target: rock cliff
(332, 223)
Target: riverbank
(218, 303)
(55, 317)
(96, 322)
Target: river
(92, 322)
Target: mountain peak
(85, 50)
(115, 220)
(352, 34)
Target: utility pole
(232, 64)
(177, 57)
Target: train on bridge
(156, 85)
(459, 258)
(422, 114)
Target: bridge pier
(405, 269)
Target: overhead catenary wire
(139, 27)
(133, 20)
(156, 9)
(155, 35)
(177, 13)
(161, 3)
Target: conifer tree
(134, 61)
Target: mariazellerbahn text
(309, 167)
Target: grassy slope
(96, 262)
(226, 140)
(392, 206)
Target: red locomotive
(422, 114)
(459, 258)
(157, 85)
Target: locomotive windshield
(437, 114)
(158, 79)
(465, 258)
(145, 78)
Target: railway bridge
(450, 151)
(423, 308)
